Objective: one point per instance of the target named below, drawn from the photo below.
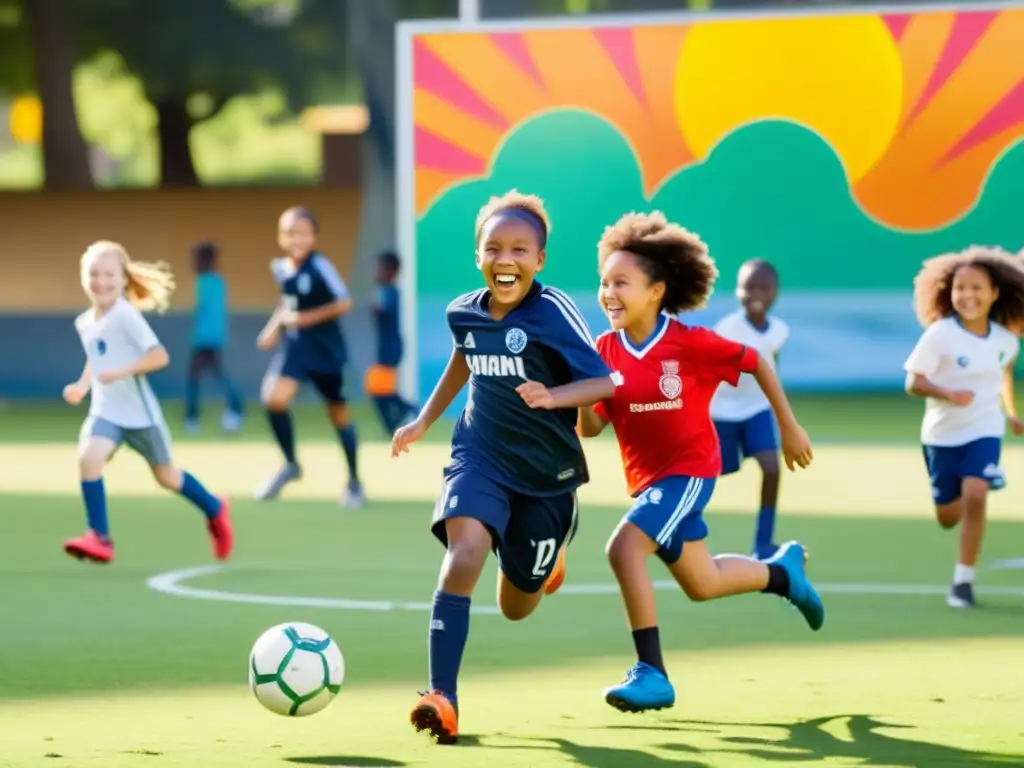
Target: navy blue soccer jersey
(310, 285)
(544, 339)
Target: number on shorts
(546, 549)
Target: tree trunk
(65, 155)
(173, 126)
(372, 36)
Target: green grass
(97, 669)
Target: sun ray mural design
(917, 107)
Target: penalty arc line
(174, 583)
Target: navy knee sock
(95, 498)
(196, 492)
(347, 435)
(449, 628)
(284, 433)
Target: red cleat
(435, 714)
(90, 547)
(222, 536)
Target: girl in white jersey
(120, 349)
(963, 366)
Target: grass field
(99, 667)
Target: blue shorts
(292, 364)
(740, 440)
(671, 511)
(949, 465)
(527, 531)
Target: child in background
(667, 374)
(382, 377)
(121, 349)
(968, 303)
(742, 414)
(209, 338)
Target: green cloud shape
(771, 189)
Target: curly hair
(933, 286)
(514, 200)
(148, 285)
(668, 254)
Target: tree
(192, 56)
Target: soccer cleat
(222, 535)
(353, 496)
(557, 576)
(290, 472)
(231, 422)
(437, 714)
(961, 596)
(92, 547)
(644, 688)
(802, 594)
(192, 426)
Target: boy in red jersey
(666, 374)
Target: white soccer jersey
(113, 341)
(746, 399)
(955, 358)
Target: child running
(516, 461)
(120, 350)
(742, 414)
(667, 374)
(963, 367)
(382, 377)
(312, 348)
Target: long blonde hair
(148, 285)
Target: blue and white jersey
(952, 357)
(312, 284)
(111, 342)
(545, 339)
(746, 399)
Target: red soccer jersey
(661, 406)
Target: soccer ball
(295, 669)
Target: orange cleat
(222, 536)
(436, 714)
(557, 576)
(90, 547)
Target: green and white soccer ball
(295, 669)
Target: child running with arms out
(306, 328)
(742, 414)
(962, 365)
(120, 350)
(517, 461)
(667, 374)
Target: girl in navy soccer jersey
(516, 462)
(667, 374)
(306, 328)
(120, 350)
(972, 307)
(742, 414)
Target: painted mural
(843, 148)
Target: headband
(527, 217)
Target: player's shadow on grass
(590, 756)
(809, 740)
(348, 761)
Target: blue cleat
(644, 688)
(802, 594)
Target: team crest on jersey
(963, 361)
(303, 284)
(670, 384)
(515, 340)
(101, 346)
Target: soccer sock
(196, 492)
(778, 581)
(765, 527)
(347, 435)
(284, 433)
(192, 399)
(963, 574)
(95, 498)
(449, 628)
(648, 647)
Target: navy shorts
(671, 512)
(527, 531)
(949, 465)
(742, 439)
(293, 364)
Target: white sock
(963, 574)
